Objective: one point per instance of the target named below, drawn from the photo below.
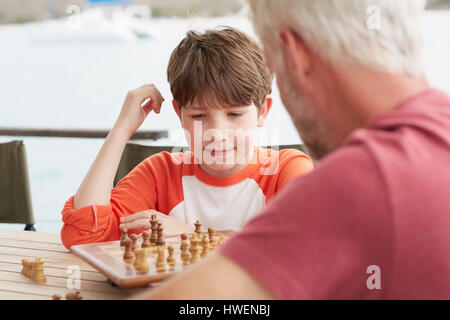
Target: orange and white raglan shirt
(173, 184)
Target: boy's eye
(234, 114)
(196, 116)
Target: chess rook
(34, 270)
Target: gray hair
(382, 35)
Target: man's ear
(296, 56)
(265, 108)
(177, 109)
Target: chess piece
(146, 240)
(195, 248)
(192, 241)
(171, 260)
(184, 247)
(34, 270)
(160, 239)
(212, 238)
(133, 238)
(184, 237)
(205, 246)
(38, 272)
(198, 227)
(222, 239)
(128, 254)
(140, 263)
(124, 236)
(160, 260)
(25, 267)
(74, 295)
(154, 226)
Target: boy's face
(222, 138)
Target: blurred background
(69, 64)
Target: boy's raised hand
(133, 113)
(142, 220)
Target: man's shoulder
(350, 164)
(428, 110)
(412, 136)
(348, 179)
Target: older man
(373, 220)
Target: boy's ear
(177, 109)
(264, 111)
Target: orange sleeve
(293, 163)
(134, 193)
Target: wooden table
(16, 245)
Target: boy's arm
(96, 186)
(135, 193)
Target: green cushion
(15, 195)
(135, 154)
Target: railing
(79, 133)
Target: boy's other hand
(142, 220)
(134, 112)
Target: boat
(97, 25)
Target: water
(60, 84)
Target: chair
(135, 153)
(15, 195)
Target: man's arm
(215, 277)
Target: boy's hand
(133, 113)
(142, 220)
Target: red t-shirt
(383, 199)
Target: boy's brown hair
(219, 67)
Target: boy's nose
(218, 127)
(215, 134)
(220, 136)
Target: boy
(220, 85)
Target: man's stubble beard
(308, 123)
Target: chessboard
(117, 260)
